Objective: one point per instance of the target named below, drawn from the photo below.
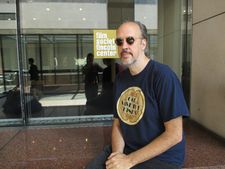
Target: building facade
(58, 35)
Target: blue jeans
(99, 162)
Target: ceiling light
(84, 19)
(34, 19)
(9, 19)
(47, 9)
(80, 9)
(59, 19)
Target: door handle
(56, 61)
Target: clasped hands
(118, 160)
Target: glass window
(10, 103)
(56, 38)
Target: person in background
(91, 80)
(34, 78)
(147, 130)
(103, 103)
(33, 71)
(107, 81)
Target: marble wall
(208, 65)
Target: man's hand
(118, 160)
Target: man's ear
(144, 43)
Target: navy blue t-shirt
(144, 102)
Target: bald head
(141, 31)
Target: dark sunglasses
(130, 40)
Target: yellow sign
(104, 44)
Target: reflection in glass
(58, 40)
(10, 107)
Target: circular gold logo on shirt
(131, 105)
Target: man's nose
(125, 45)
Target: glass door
(55, 43)
(10, 100)
(58, 94)
(9, 83)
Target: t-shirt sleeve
(169, 94)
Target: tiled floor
(72, 146)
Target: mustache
(124, 51)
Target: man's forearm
(171, 136)
(117, 138)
